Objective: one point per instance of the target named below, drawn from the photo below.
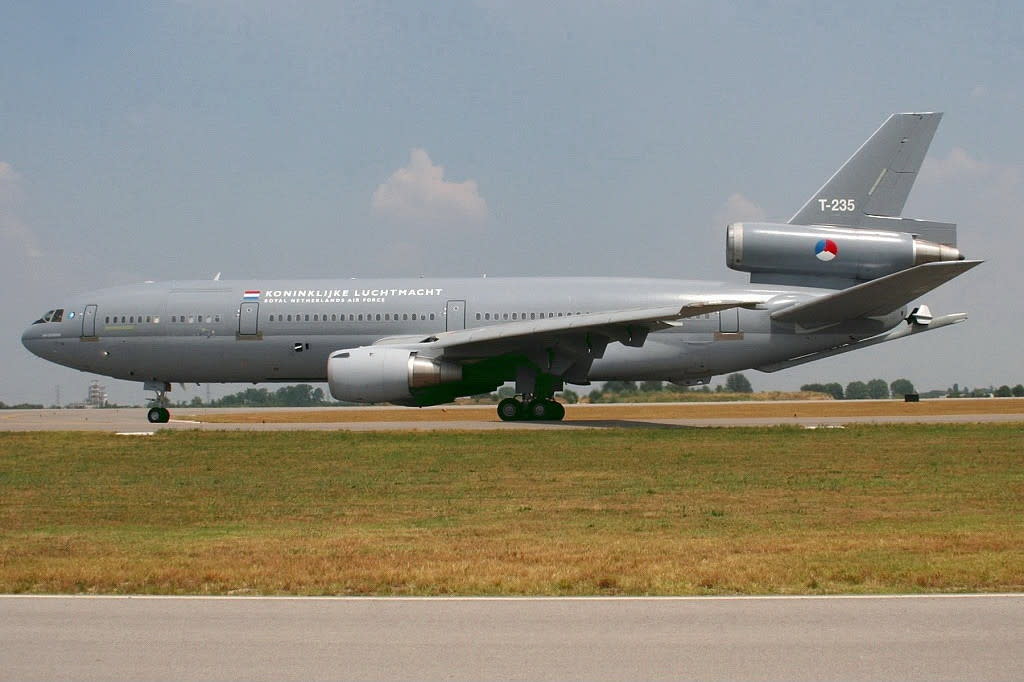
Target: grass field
(920, 508)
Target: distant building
(97, 396)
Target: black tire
(165, 415)
(155, 415)
(557, 411)
(510, 410)
(538, 409)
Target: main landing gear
(158, 413)
(531, 408)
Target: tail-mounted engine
(817, 255)
(382, 374)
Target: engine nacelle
(380, 374)
(831, 252)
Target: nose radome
(29, 338)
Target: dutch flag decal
(251, 295)
(826, 250)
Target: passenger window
(405, 316)
(504, 316)
(378, 317)
(431, 315)
(191, 319)
(387, 316)
(216, 318)
(289, 318)
(307, 317)
(414, 316)
(106, 320)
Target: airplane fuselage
(284, 330)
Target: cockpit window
(51, 316)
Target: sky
(259, 138)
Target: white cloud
(958, 165)
(419, 195)
(737, 208)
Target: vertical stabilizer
(876, 180)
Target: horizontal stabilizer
(911, 327)
(877, 297)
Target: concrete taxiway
(933, 637)
(133, 420)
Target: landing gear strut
(158, 413)
(531, 408)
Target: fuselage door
(89, 321)
(455, 315)
(248, 319)
(729, 321)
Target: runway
(774, 638)
(476, 418)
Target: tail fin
(871, 188)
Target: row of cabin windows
(131, 319)
(520, 316)
(195, 318)
(155, 319)
(352, 317)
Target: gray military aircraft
(838, 276)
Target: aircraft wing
(572, 337)
(877, 297)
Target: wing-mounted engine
(376, 374)
(825, 256)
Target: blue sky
(177, 140)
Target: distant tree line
(299, 395)
(20, 406)
(614, 391)
(1004, 391)
(878, 389)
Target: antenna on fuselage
(216, 278)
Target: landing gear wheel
(557, 411)
(158, 415)
(538, 409)
(510, 410)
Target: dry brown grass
(688, 511)
(731, 410)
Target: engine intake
(832, 252)
(379, 374)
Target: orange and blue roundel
(826, 250)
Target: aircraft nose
(30, 339)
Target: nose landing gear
(530, 408)
(158, 413)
